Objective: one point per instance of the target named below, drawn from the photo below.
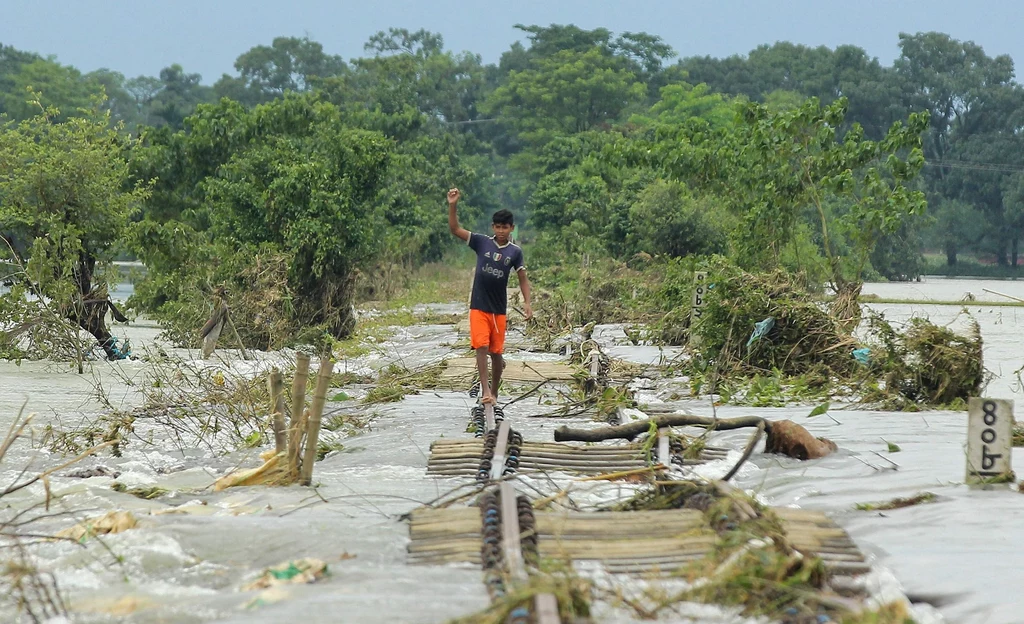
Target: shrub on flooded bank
(274, 204)
(60, 231)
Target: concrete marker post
(664, 457)
(989, 441)
(700, 291)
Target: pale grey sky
(142, 36)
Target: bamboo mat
(462, 457)
(628, 542)
(815, 534)
(515, 370)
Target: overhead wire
(975, 166)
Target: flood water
(957, 557)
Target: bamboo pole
(1017, 299)
(296, 426)
(295, 439)
(275, 383)
(299, 385)
(316, 410)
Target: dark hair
(503, 216)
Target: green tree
(1013, 212)
(11, 62)
(421, 43)
(120, 101)
(872, 91)
(950, 79)
(53, 85)
(776, 164)
(65, 198)
(681, 102)
(565, 93)
(667, 218)
(179, 94)
(286, 182)
(287, 64)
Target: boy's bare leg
(481, 367)
(497, 367)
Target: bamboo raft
(624, 542)
(815, 534)
(461, 458)
(628, 542)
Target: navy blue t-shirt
(494, 264)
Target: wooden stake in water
(316, 410)
(299, 385)
(295, 427)
(275, 383)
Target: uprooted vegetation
(763, 338)
(183, 405)
(753, 566)
(573, 593)
(927, 364)
(26, 591)
(898, 503)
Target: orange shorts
(486, 330)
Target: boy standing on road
(496, 258)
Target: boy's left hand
(528, 311)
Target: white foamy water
(194, 549)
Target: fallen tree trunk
(629, 431)
(784, 436)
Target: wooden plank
(500, 448)
(599, 549)
(511, 545)
(489, 416)
(650, 516)
(545, 609)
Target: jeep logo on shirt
(493, 271)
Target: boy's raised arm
(453, 218)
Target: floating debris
(898, 503)
(111, 522)
(88, 473)
(297, 571)
(143, 492)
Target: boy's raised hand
(453, 218)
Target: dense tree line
(319, 169)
